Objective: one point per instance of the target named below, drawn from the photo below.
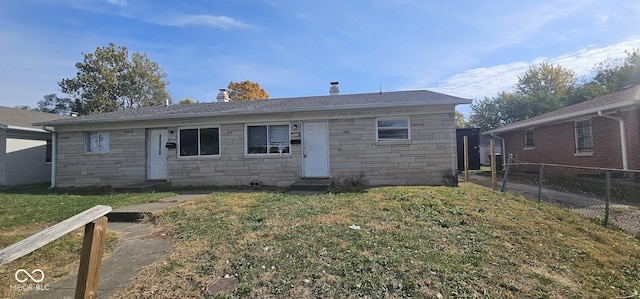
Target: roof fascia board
(562, 117)
(26, 129)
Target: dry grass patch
(57, 259)
(412, 242)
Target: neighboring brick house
(25, 150)
(390, 138)
(603, 132)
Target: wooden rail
(95, 224)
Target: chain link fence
(610, 195)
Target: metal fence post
(607, 176)
(540, 177)
(494, 179)
(506, 173)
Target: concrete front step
(310, 186)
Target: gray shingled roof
(626, 97)
(300, 104)
(25, 118)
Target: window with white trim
(199, 142)
(267, 139)
(393, 129)
(96, 142)
(529, 139)
(584, 136)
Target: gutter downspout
(54, 143)
(53, 155)
(502, 148)
(623, 138)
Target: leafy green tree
(186, 101)
(460, 120)
(57, 105)
(548, 83)
(541, 89)
(246, 90)
(585, 92)
(109, 80)
(485, 114)
(613, 75)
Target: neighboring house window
(199, 142)
(584, 136)
(392, 129)
(97, 142)
(49, 151)
(529, 139)
(268, 139)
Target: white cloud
(122, 3)
(489, 81)
(156, 14)
(203, 20)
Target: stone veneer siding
(125, 163)
(353, 152)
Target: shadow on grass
(44, 189)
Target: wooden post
(466, 158)
(506, 174)
(494, 178)
(540, 179)
(91, 259)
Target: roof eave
(264, 111)
(559, 118)
(18, 128)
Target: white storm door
(315, 149)
(157, 154)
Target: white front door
(315, 149)
(157, 161)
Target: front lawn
(423, 242)
(38, 204)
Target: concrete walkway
(137, 248)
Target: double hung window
(96, 142)
(584, 137)
(199, 142)
(267, 139)
(529, 139)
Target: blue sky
(292, 48)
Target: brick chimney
(334, 90)
(223, 96)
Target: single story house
(25, 149)
(603, 132)
(386, 138)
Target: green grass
(28, 205)
(414, 242)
